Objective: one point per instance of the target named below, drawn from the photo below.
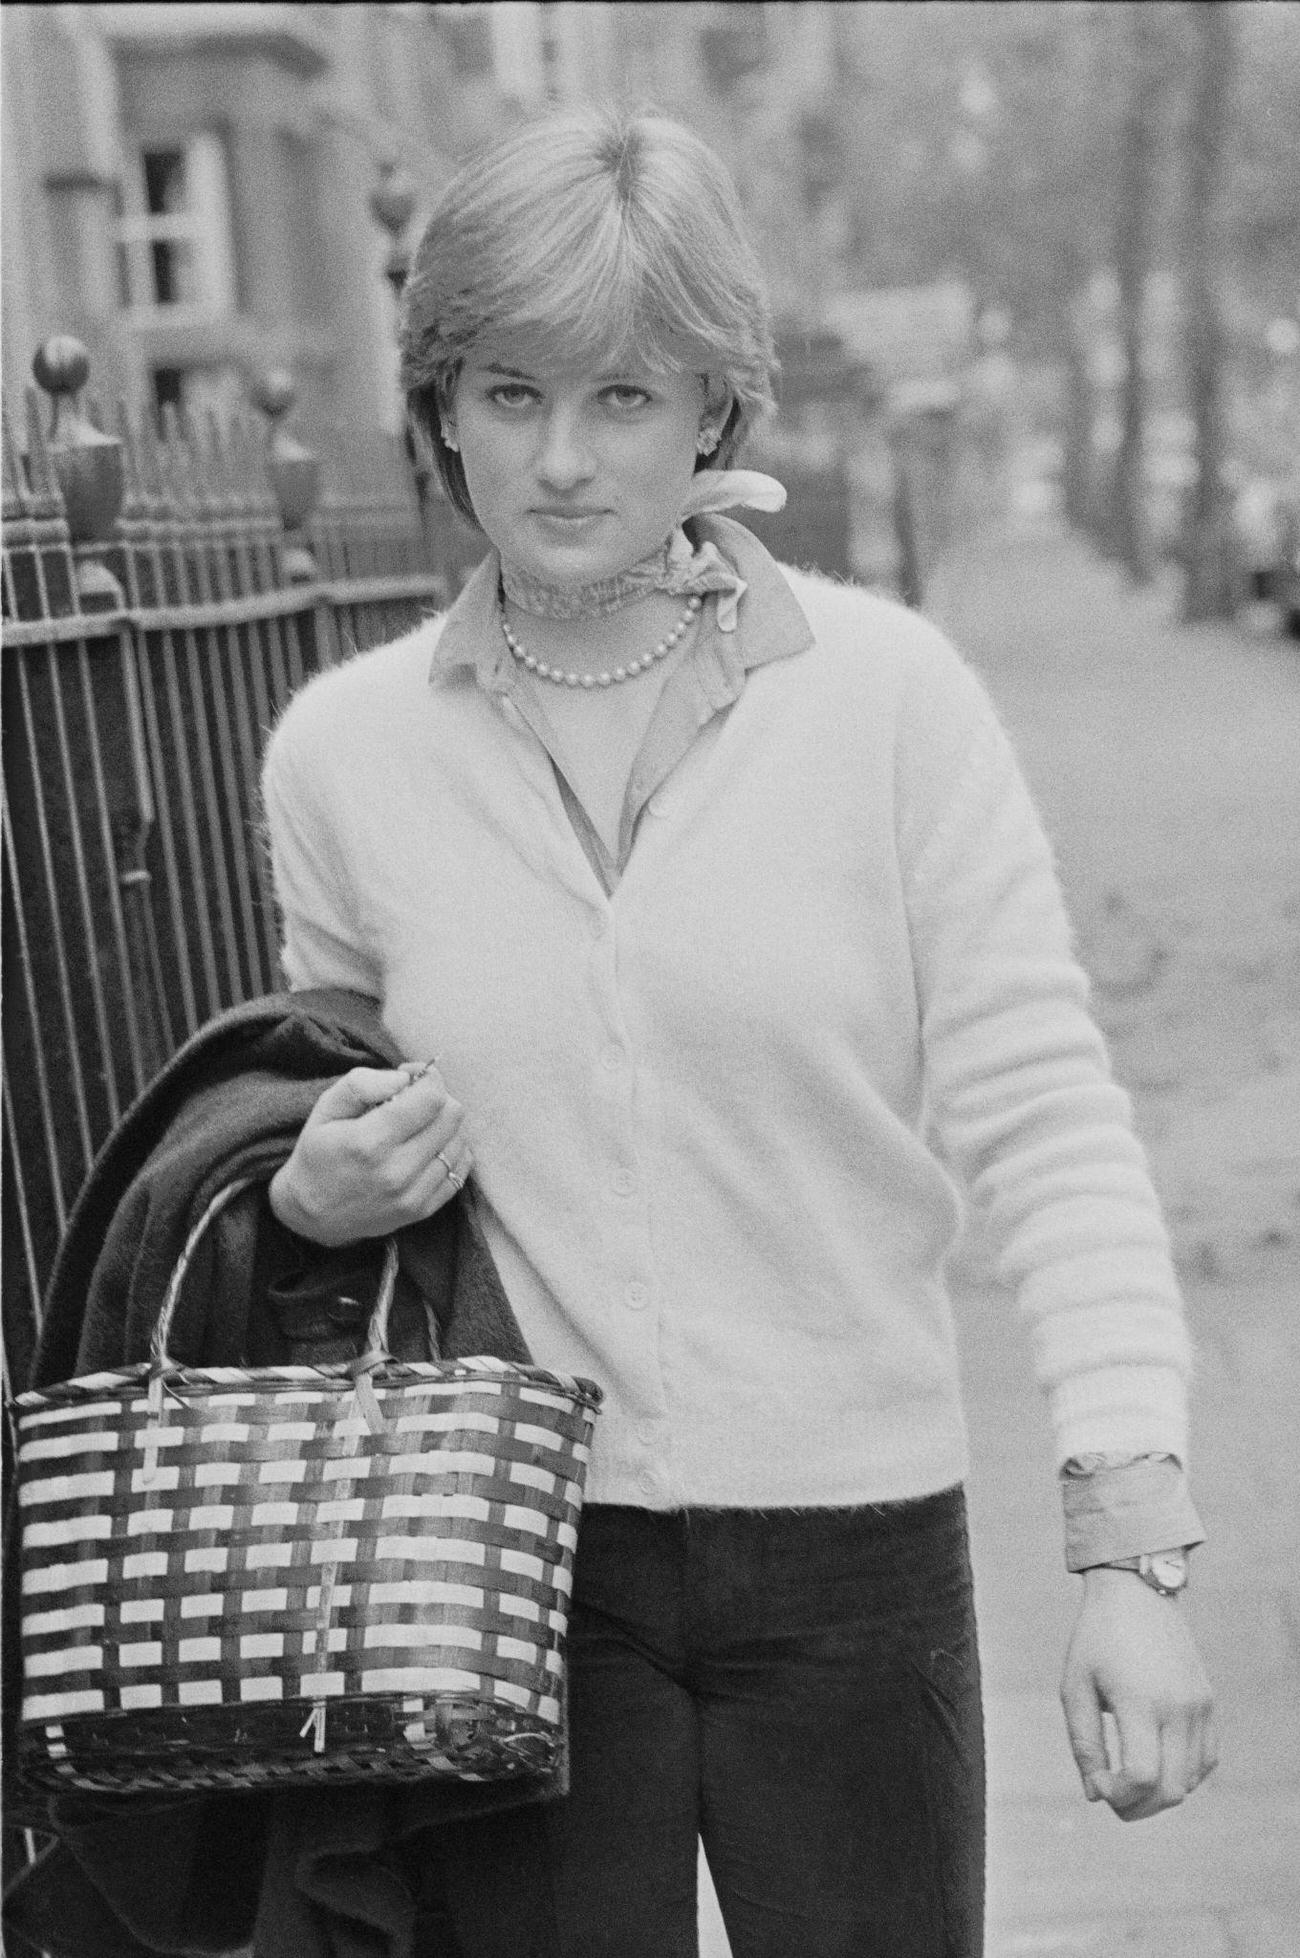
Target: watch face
(1168, 1569)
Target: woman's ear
(717, 410)
(717, 400)
(445, 409)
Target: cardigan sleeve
(324, 941)
(1019, 1093)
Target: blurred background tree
(1124, 183)
(1212, 578)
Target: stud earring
(449, 440)
(707, 441)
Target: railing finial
(61, 367)
(88, 466)
(294, 471)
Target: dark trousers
(799, 1690)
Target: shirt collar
(771, 623)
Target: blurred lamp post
(392, 203)
(88, 467)
(294, 472)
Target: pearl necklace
(608, 678)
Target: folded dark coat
(131, 1875)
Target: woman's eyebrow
(627, 376)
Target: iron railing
(142, 669)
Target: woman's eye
(624, 397)
(511, 394)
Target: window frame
(204, 225)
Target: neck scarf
(678, 567)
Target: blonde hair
(599, 237)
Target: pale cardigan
(717, 1117)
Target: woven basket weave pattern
(239, 1577)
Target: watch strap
(1166, 1571)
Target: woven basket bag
(241, 1578)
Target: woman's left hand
(1131, 1655)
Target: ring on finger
(457, 1182)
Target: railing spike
(162, 455)
(150, 452)
(202, 489)
(133, 523)
(130, 457)
(175, 455)
(218, 454)
(15, 490)
(170, 431)
(41, 479)
(238, 449)
(242, 500)
(258, 474)
(200, 446)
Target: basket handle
(376, 1347)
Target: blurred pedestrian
(717, 891)
(988, 418)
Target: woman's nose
(565, 457)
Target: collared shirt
(697, 689)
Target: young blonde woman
(716, 891)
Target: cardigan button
(637, 1295)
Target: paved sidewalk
(1166, 762)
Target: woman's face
(575, 475)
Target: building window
(221, 391)
(174, 243)
(168, 388)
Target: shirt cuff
(1125, 1507)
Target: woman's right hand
(382, 1148)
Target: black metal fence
(142, 669)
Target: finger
(457, 1161)
(414, 1069)
(1087, 1738)
(444, 1136)
(357, 1092)
(420, 1176)
(1135, 1787)
(1205, 1751)
(433, 1191)
(1176, 1744)
(449, 1165)
(423, 1105)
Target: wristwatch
(1164, 1570)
